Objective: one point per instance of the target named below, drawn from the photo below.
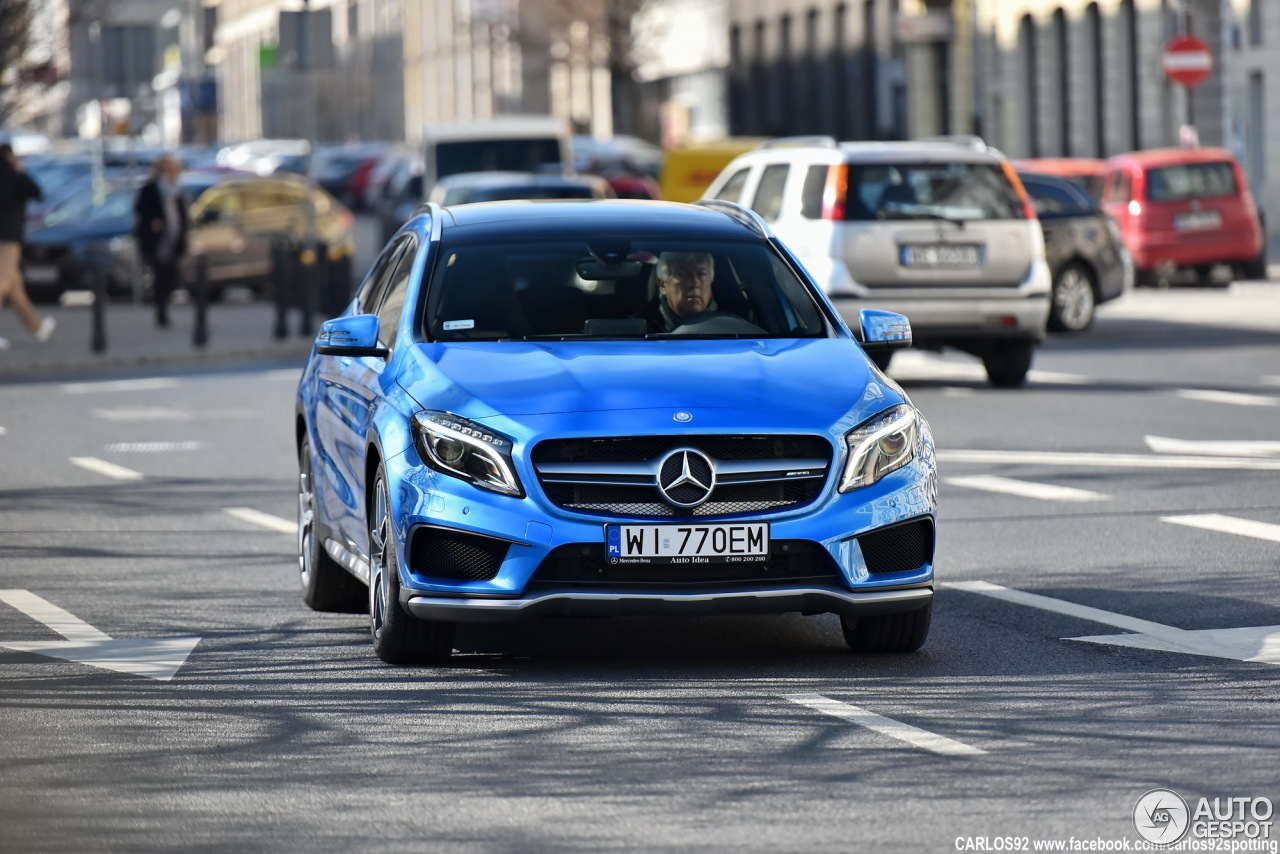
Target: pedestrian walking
(160, 225)
(16, 188)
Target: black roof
(587, 218)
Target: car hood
(60, 235)
(724, 383)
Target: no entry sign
(1187, 60)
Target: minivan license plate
(1197, 221)
(947, 255)
(691, 543)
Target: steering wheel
(717, 323)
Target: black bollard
(98, 285)
(307, 267)
(280, 275)
(200, 335)
(340, 283)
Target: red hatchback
(1185, 208)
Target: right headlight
(464, 449)
(879, 445)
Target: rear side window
(815, 185)
(1117, 190)
(1191, 181)
(962, 191)
(732, 189)
(1056, 198)
(768, 200)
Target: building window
(786, 111)
(1129, 20)
(839, 112)
(813, 80)
(1093, 20)
(1256, 141)
(1255, 22)
(1031, 83)
(1063, 94)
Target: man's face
(687, 285)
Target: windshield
(81, 208)
(1191, 181)
(960, 191)
(616, 288)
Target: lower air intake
(900, 548)
(454, 555)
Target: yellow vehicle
(688, 171)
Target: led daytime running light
(464, 449)
(879, 446)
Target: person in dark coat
(160, 226)
(16, 189)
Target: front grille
(791, 562)
(620, 476)
(454, 555)
(900, 548)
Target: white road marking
(885, 726)
(156, 658)
(164, 413)
(1250, 643)
(1271, 380)
(1229, 397)
(1026, 489)
(154, 447)
(148, 384)
(1071, 458)
(263, 520)
(3, 431)
(1223, 448)
(103, 467)
(918, 365)
(1228, 525)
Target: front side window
(959, 191)
(617, 288)
(1057, 199)
(393, 296)
(768, 200)
(1191, 181)
(732, 189)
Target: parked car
(940, 231)
(470, 187)
(1087, 173)
(1086, 253)
(1185, 209)
(494, 430)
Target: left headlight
(879, 445)
(464, 449)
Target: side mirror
(883, 330)
(353, 335)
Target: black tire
(882, 358)
(904, 632)
(398, 637)
(326, 586)
(1255, 270)
(1075, 297)
(1007, 362)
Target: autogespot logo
(1161, 816)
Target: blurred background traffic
(293, 118)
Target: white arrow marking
(1069, 458)
(1244, 448)
(1251, 643)
(1026, 489)
(1228, 525)
(264, 520)
(885, 726)
(1229, 397)
(156, 658)
(103, 467)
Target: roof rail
(738, 213)
(967, 140)
(815, 141)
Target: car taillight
(1028, 209)
(833, 195)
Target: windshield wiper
(921, 215)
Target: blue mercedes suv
(607, 408)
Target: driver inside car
(684, 289)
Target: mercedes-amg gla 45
(520, 414)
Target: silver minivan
(940, 231)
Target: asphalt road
(1131, 487)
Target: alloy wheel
(1074, 300)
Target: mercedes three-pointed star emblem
(686, 477)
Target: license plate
(692, 543)
(40, 275)
(940, 255)
(1197, 221)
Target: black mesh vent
(441, 553)
(901, 548)
(584, 564)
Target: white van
(503, 143)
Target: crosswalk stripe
(1074, 458)
(1233, 398)
(1026, 489)
(1216, 448)
(885, 726)
(1228, 525)
(146, 384)
(262, 520)
(103, 467)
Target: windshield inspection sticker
(450, 325)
